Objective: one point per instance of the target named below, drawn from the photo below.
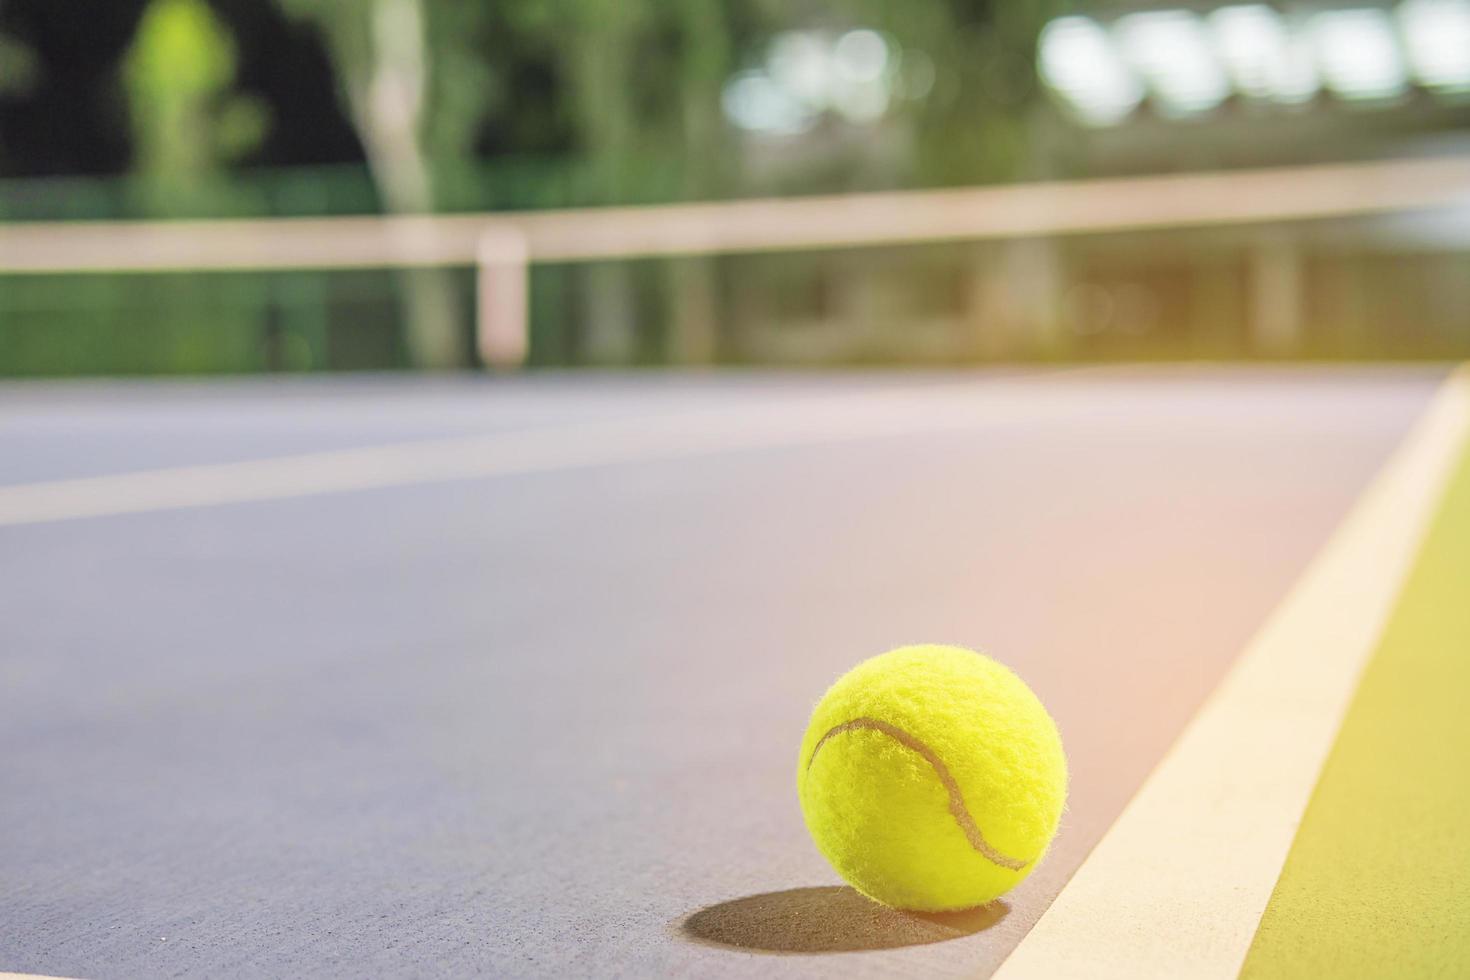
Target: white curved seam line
(957, 806)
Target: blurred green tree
(633, 80)
(187, 123)
(643, 78)
(444, 97)
(381, 50)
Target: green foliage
(470, 106)
(621, 81)
(180, 53)
(178, 73)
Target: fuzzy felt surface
(932, 778)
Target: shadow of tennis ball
(830, 919)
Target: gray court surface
(545, 723)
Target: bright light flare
(754, 102)
(1263, 58)
(1358, 53)
(1171, 50)
(1077, 60)
(1437, 38)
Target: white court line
(793, 422)
(1177, 886)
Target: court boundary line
(832, 420)
(1178, 884)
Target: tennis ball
(932, 778)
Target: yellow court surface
(1376, 882)
(1179, 884)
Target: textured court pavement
(532, 724)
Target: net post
(502, 297)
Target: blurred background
(164, 110)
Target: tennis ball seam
(957, 806)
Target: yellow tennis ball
(932, 778)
